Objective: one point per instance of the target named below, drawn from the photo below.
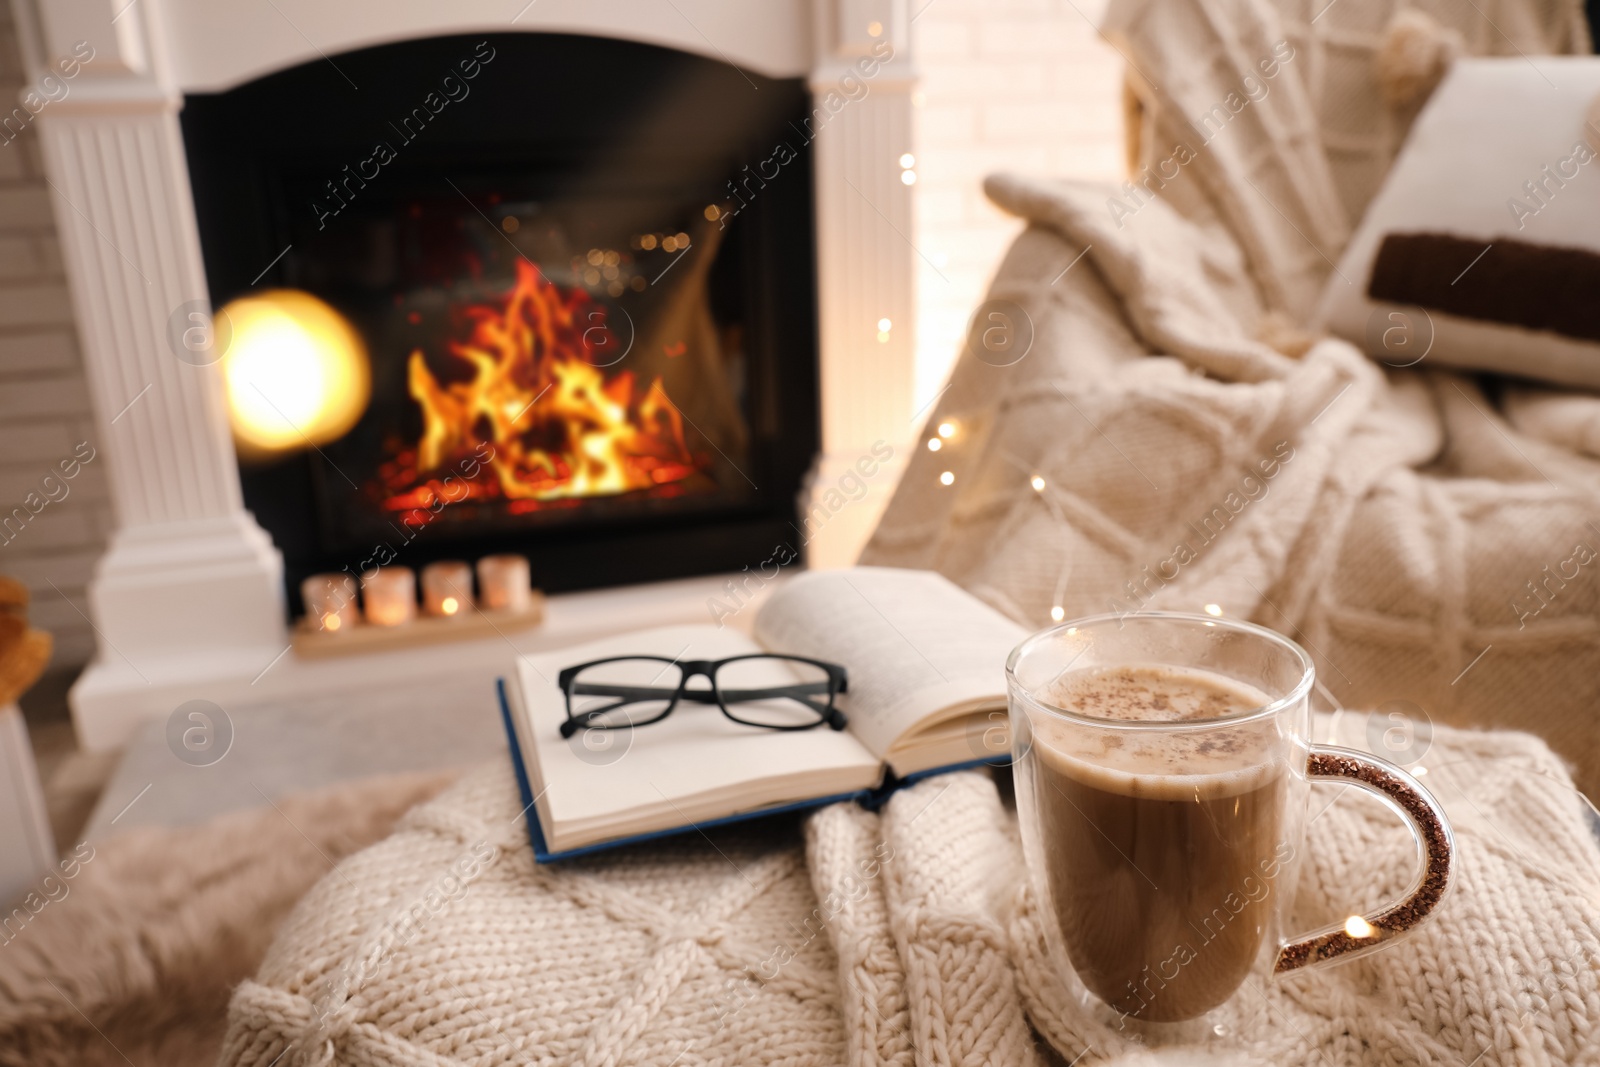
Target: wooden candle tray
(315, 643)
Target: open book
(926, 663)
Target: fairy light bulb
(947, 478)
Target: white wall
(44, 402)
(1007, 85)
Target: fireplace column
(189, 595)
(865, 272)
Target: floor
(328, 720)
(272, 752)
(275, 750)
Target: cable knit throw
(905, 937)
(1432, 539)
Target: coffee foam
(1180, 764)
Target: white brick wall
(44, 402)
(1007, 85)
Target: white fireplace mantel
(187, 602)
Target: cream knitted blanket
(905, 937)
(1432, 540)
(1438, 561)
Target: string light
(1214, 610)
(947, 478)
(874, 29)
(1356, 926)
(947, 430)
(934, 444)
(1057, 613)
(907, 175)
(884, 326)
(1037, 483)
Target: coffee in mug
(1162, 770)
(1162, 856)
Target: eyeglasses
(772, 692)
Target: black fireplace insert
(591, 325)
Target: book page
(692, 766)
(918, 647)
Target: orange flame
(558, 426)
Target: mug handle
(1361, 934)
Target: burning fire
(559, 427)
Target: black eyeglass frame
(838, 682)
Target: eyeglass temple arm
(699, 696)
(631, 693)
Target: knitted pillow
(1482, 250)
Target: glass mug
(1163, 765)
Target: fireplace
(796, 363)
(590, 323)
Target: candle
(390, 594)
(330, 601)
(447, 588)
(503, 583)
